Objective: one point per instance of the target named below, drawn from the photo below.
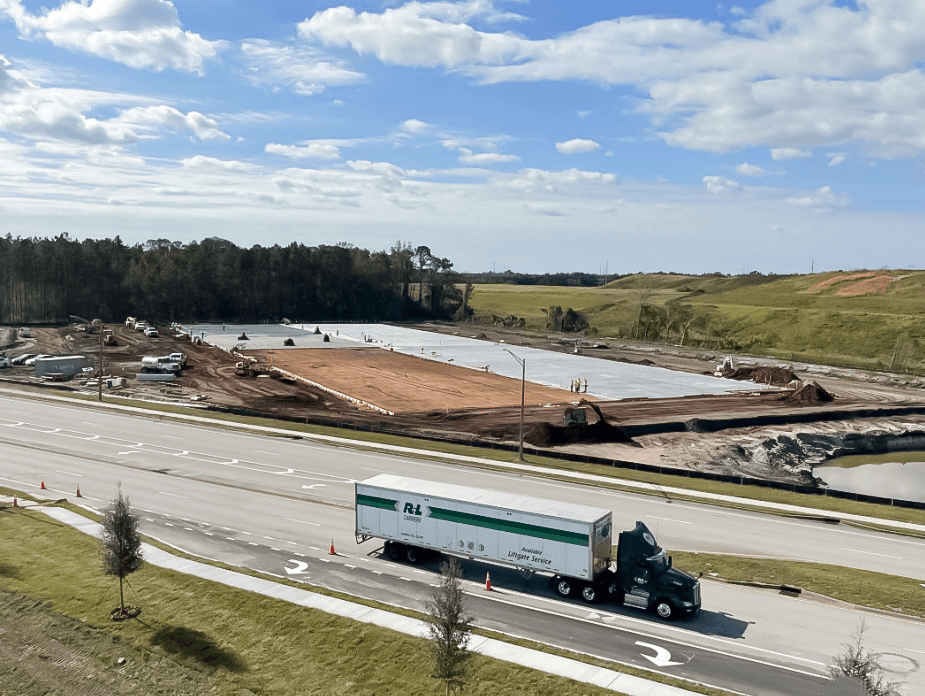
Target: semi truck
(571, 543)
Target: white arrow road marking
(662, 657)
(594, 615)
(300, 567)
(315, 485)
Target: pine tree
(449, 629)
(120, 543)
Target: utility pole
(523, 388)
(99, 377)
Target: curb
(828, 516)
(611, 680)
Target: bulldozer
(249, 368)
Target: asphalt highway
(274, 504)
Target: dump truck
(571, 543)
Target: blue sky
(531, 135)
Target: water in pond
(899, 475)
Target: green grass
(434, 450)
(861, 587)
(854, 460)
(209, 638)
(781, 316)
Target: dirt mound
(777, 376)
(644, 361)
(549, 435)
(810, 392)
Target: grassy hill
(870, 319)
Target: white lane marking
(349, 566)
(292, 519)
(377, 572)
(269, 538)
(314, 548)
(302, 555)
(208, 533)
(168, 524)
(95, 425)
(667, 519)
(662, 657)
(173, 495)
(405, 579)
(821, 665)
(231, 539)
(300, 567)
(275, 454)
(68, 473)
(172, 437)
(273, 548)
(253, 543)
(871, 553)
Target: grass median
(862, 587)
(194, 636)
(553, 465)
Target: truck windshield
(659, 562)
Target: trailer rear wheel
(413, 555)
(564, 587)
(589, 594)
(393, 550)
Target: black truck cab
(646, 579)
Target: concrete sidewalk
(533, 659)
(513, 466)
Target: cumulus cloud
(575, 145)
(479, 158)
(787, 153)
(720, 184)
(746, 169)
(787, 75)
(161, 116)
(413, 125)
(137, 33)
(836, 158)
(318, 149)
(303, 69)
(822, 199)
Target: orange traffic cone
(78, 491)
(43, 485)
(332, 552)
(488, 582)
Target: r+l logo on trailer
(412, 512)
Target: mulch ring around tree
(119, 614)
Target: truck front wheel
(563, 587)
(664, 609)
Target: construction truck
(571, 543)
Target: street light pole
(523, 389)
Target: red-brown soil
(400, 383)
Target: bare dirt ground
(435, 399)
(401, 383)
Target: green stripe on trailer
(510, 526)
(373, 501)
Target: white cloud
(318, 149)
(413, 125)
(788, 75)
(478, 158)
(787, 153)
(720, 184)
(836, 158)
(575, 145)
(155, 117)
(203, 162)
(137, 33)
(821, 200)
(303, 69)
(746, 169)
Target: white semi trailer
(572, 543)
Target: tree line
(46, 280)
